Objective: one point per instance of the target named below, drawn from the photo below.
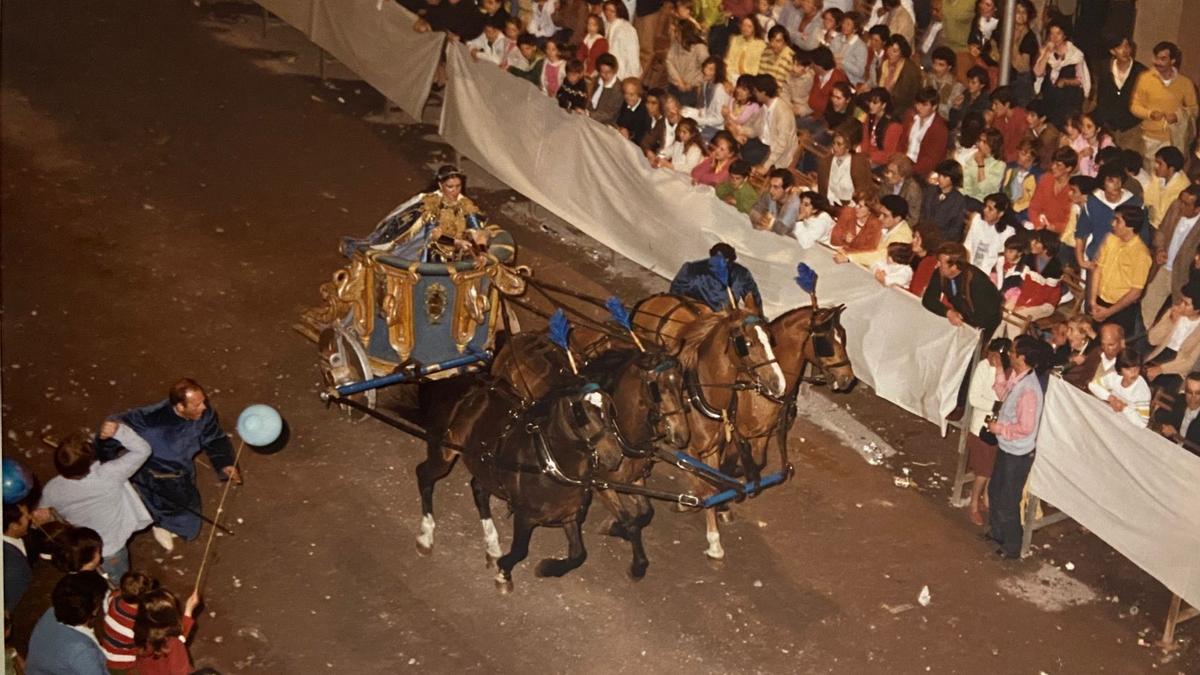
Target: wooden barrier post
(1033, 523)
(1176, 614)
(962, 477)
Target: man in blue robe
(177, 429)
(698, 280)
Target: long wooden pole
(212, 533)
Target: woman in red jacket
(880, 130)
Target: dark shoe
(1004, 556)
(987, 536)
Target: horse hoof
(714, 553)
(489, 561)
(423, 550)
(551, 567)
(725, 516)
(638, 572)
(505, 586)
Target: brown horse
(651, 409)
(721, 353)
(538, 456)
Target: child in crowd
(116, 640)
(981, 445)
(78, 550)
(1086, 138)
(529, 66)
(512, 52)
(737, 190)
(1007, 274)
(491, 45)
(895, 270)
(572, 95)
(1125, 389)
(553, 70)
(160, 633)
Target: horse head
(754, 351)
(826, 347)
(661, 392)
(590, 419)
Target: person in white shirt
(622, 40)
(491, 45)
(712, 95)
(1177, 228)
(895, 270)
(813, 222)
(542, 24)
(1125, 389)
(988, 231)
(88, 493)
(686, 152)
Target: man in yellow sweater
(1165, 101)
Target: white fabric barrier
(593, 178)
(1133, 488)
(373, 38)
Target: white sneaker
(164, 538)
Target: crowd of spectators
(1058, 208)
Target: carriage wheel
(343, 361)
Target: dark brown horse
(539, 456)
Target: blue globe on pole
(17, 481)
(259, 424)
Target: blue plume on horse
(806, 277)
(719, 266)
(619, 314)
(560, 328)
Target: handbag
(985, 435)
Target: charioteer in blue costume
(712, 280)
(177, 429)
(442, 225)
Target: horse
(539, 456)
(651, 409)
(703, 340)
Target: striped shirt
(117, 639)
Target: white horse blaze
(425, 539)
(766, 343)
(491, 538)
(596, 399)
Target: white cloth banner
(373, 38)
(590, 176)
(1133, 488)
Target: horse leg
(576, 553)
(713, 534)
(522, 531)
(645, 513)
(491, 540)
(437, 465)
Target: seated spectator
(988, 231)
(966, 137)
(1077, 343)
(1061, 74)
(1177, 422)
(712, 97)
(1136, 177)
(513, 27)
(541, 24)
(161, 633)
(924, 262)
(893, 229)
(88, 493)
(686, 152)
(572, 95)
(777, 58)
(1125, 390)
(745, 48)
(1043, 134)
(843, 173)
(77, 549)
(857, 227)
(572, 16)
(17, 572)
(1100, 361)
(529, 68)
(1006, 273)
(714, 169)
(841, 113)
(849, 50)
(932, 40)
(607, 95)
(622, 39)
(805, 27)
(778, 130)
(766, 14)
(1175, 341)
(984, 173)
(1021, 178)
(116, 640)
(1050, 208)
(900, 20)
(1086, 138)
(777, 208)
(1165, 186)
(1096, 217)
(1122, 266)
(63, 641)
(898, 180)
(686, 60)
(825, 76)
(962, 292)
(831, 18)
(554, 68)
(981, 396)
(895, 270)
(941, 78)
(877, 37)
(1174, 240)
(742, 119)
(944, 205)
(974, 98)
(592, 45)
(491, 45)
(925, 133)
(899, 74)
(1039, 290)
(1009, 120)
(633, 121)
(737, 191)
(813, 222)
(881, 132)
(799, 86)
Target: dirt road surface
(170, 206)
